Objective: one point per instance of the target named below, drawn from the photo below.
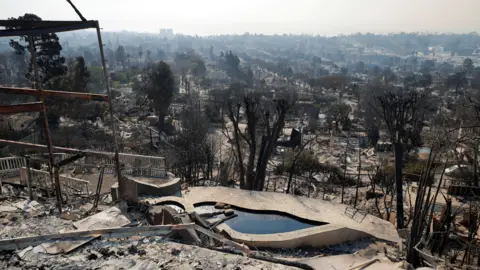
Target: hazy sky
(202, 17)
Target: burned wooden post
(58, 193)
(43, 112)
(1, 177)
(99, 187)
(121, 185)
(29, 178)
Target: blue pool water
(255, 222)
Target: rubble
(139, 248)
(159, 254)
(85, 235)
(228, 212)
(219, 205)
(158, 215)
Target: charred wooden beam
(76, 10)
(21, 108)
(54, 27)
(60, 149)
(34, 24)
(52, 93)
(70, 160)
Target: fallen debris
(110, 218)
(229, 212)
(22, 242)
(161, 215)
(258, 256)
(29, 207)
(219, 205)
(189, 235)
(364, 264)
(214, 225)
(211, 214)
(241, 247)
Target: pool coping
(340, 229)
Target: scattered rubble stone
(229, 212)
(106, 252)
(219, 205)
(176, 252)
(132, 249)
(92, 256)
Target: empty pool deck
(342, 225)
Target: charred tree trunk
(475, 165)
(161, 121)
(399, 182)
(270, 144)
(251, 166)
(259, 186)
(241, 168)
(290, 176)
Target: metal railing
(145, 172)
(41, 179)
(134, 165)
(12, 165)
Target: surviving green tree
(50, 62)
(121, 56)
(80, 76)
(158, 83)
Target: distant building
(437, 49)
(166, 33)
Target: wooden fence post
(29, 178)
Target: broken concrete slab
(109, 218)
(8, 209)
(24, 251)
(29, 207)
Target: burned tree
(190, 146)
(264, 121)
(402, 111)
(301, 163)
